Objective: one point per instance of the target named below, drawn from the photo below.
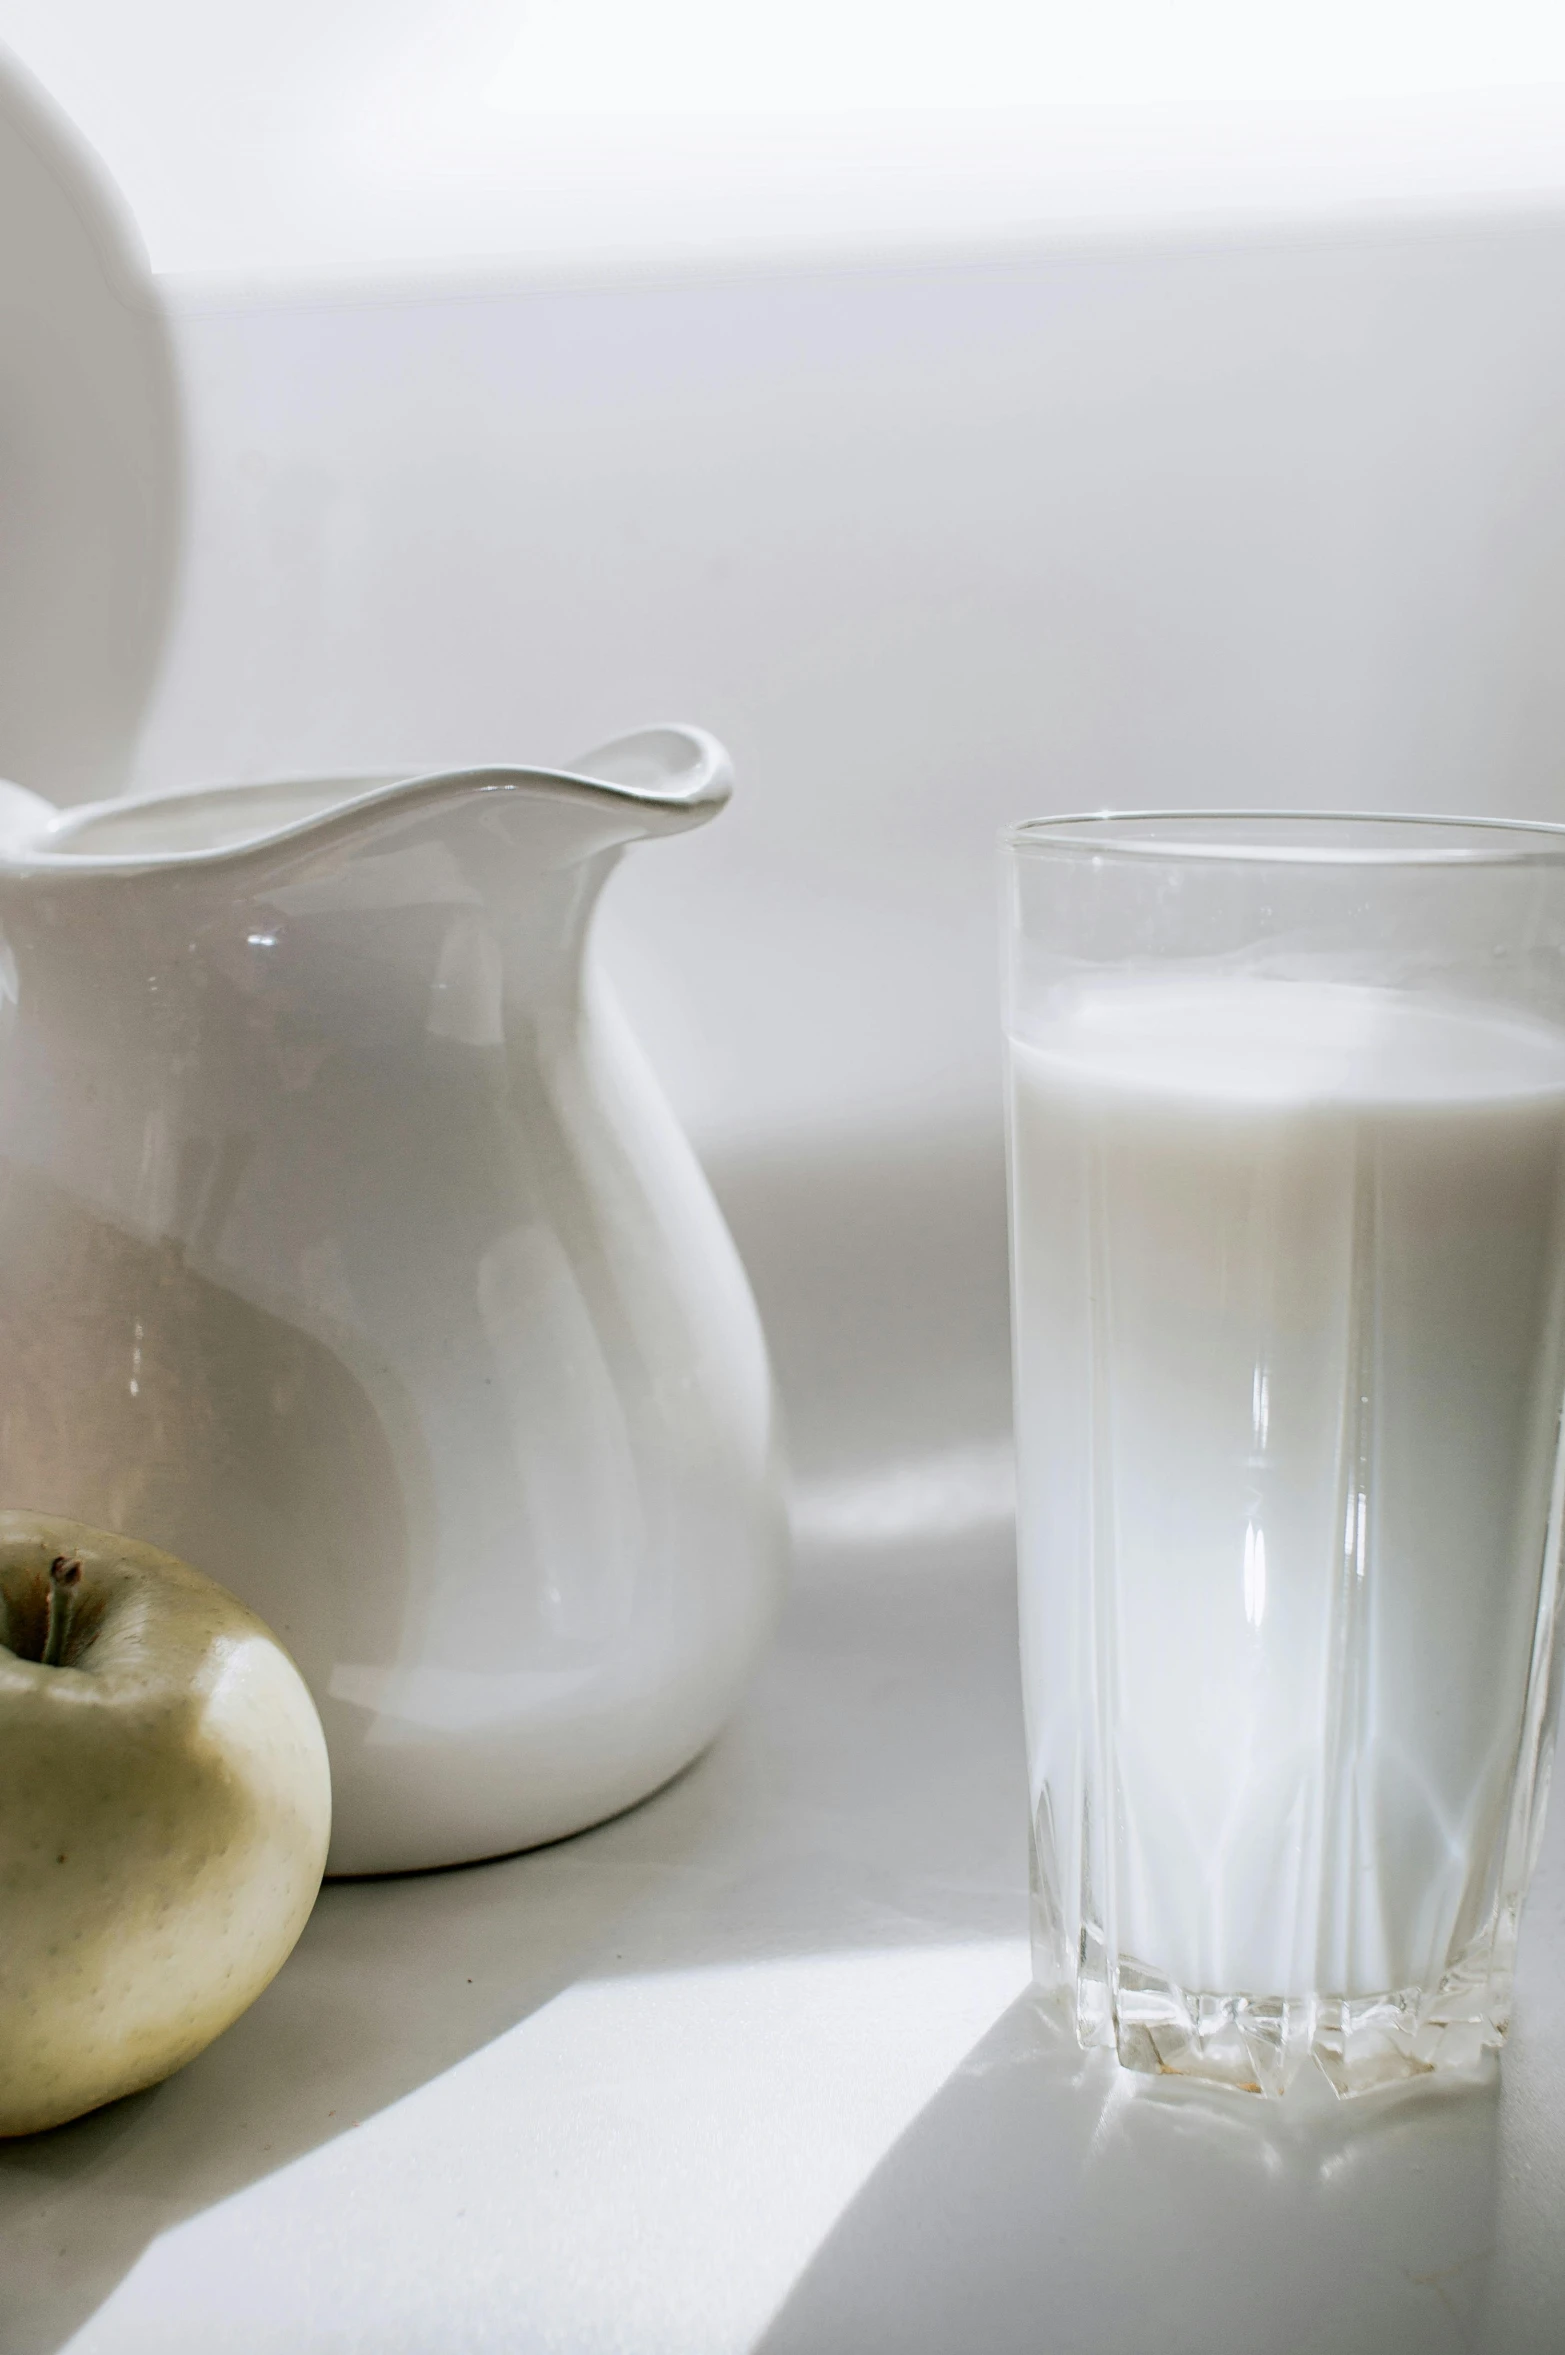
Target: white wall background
(1145, 421)
(329, 138)
(965, 412)
(1275, 518)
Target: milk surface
(1288, 1314)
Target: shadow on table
(880, 1269)
(392, 1984)
(1046, 2203)
(865, 1797)
(868, 1794)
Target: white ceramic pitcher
(348, 1250)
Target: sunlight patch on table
(644, 2166)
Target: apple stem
(64, 1578)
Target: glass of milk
(1287, 1127)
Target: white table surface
(753, 2067)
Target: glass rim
(1405, 839)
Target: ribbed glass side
(1291, 1479)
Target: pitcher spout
(677, 776)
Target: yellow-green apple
(164, 1812)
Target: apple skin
(165, 1806)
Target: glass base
(1257, 2043)
(1261, 2044)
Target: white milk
(1287, 1301)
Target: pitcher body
(348, 1250)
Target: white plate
(89, 462)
